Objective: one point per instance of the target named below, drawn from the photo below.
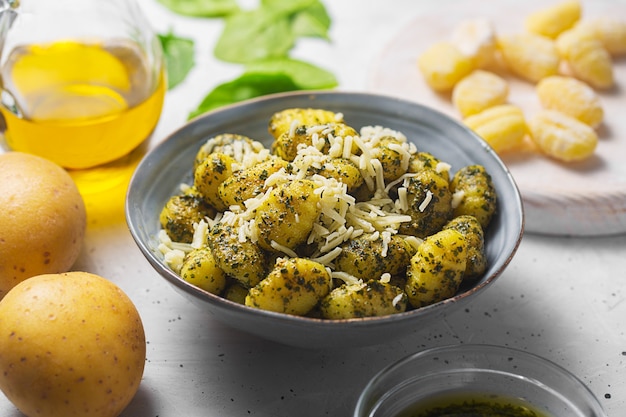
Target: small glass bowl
(477, 371)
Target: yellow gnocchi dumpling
(572, 97)
(589, 61)
(478, 91)
(529, 55)
(561, 136)
(285, 120)
(443, 65)
(363, 299)
(476, 39)
(503, 126)
(552, 20)
(609, 30)
(570, 37)
(436, 270)
(200, 269)
(293, 286)
(286, 216)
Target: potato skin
(437, 269)
(479, 194)
(364, 299)
(287, 215)
(363, 258)
(294, 286)
(200, 269)
(71, 345)
(244, 261)
(430, 219)
(43, 219)
(181, 212)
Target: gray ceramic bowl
(160, 173)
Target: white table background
(561, 298)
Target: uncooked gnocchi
(566, 55)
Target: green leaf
(271, 30)
(253, 35)
(313, 22)
(305, 76)
(179, 57)
(307, 17)
(201, 8)
(245, 87)
(267, 77)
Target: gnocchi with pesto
(327, 221)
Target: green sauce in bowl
(473, 405)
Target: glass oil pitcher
(82, 84)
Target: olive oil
(85, 106)
(468, 405)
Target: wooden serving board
(580, 199)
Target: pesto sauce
(473, 406)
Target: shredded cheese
(457, 198)
(397, 299)
(341, 216)
(283, 249)
(427, 199)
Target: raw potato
(43, 220)
(71, 345)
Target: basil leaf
(311, 19)
(179, 57)
(267, 77)
(253, 35)
(201, 8)
(245, 87)
(305, 76)
(271, 30)
(313, 22)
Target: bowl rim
(504, 352)
(234, 307)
